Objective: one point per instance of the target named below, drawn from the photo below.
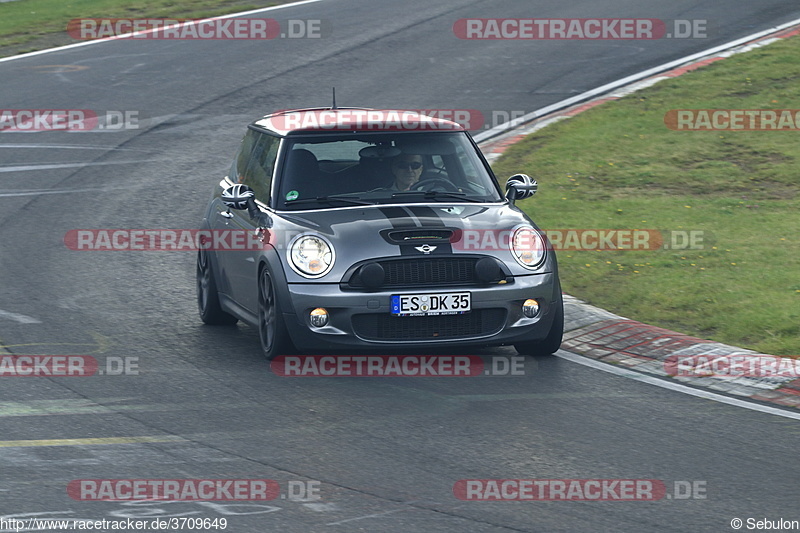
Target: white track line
(677, 387)
(52, 166)
(71, 147)
(40, 192)
(115, 38)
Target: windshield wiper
(438, 195)
(348, 199)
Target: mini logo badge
(425, 248)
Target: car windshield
(334, 170)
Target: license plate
(435, 303)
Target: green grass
(618, 166)
(34, 24)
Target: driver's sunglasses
(413, 165)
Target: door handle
(226, 214)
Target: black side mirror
(519, 187)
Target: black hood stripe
(416, 216)
(398, 217)
(412, 216)
(427, 216)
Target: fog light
(319, 317)
(530, 308)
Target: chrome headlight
(528, 247)
(311, 256)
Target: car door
(255, 165)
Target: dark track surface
(387, 451)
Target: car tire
(207, 296)
(272, 331)
(552, 342)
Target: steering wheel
(435, 172)
(431, 184)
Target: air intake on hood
(418, 235)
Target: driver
(407, 168)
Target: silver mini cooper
(378, 230)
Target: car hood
(370, 232)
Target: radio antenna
(334, 98)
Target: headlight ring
(528, 247)
(311, 255)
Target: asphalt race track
(384, 453)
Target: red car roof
(322, 120)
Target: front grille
(385, 327)
(407, 273)
(429, 271)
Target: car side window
(255, 162)
(243, 156)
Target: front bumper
(362, 320)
